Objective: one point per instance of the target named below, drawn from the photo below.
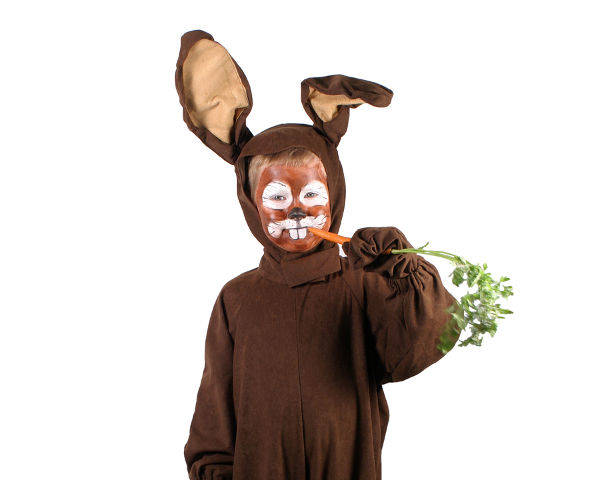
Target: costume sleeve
(404, 301)
(209, 449)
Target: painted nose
(296, 214)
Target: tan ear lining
(214, 93)
(327, 106)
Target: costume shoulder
(240, 285)
(242, 280)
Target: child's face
(289, 199)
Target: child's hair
(292, 157)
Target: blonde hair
(292, 157)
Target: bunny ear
(327, 101)
(214, 93)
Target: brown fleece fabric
(297, 350)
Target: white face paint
(313, 194)
(277, 195)
(297, 229)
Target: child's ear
(327, 101)
(214, 93)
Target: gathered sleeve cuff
(404, 302)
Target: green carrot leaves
(478, 310)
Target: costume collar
(310, 268)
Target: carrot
(480, 318)
(332, 237)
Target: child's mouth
(297, 229)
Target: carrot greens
(477, 311)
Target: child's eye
(278, 198)
(311, 194)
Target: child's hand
(367, 248)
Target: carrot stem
(332, 237)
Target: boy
(297, 350)
(291, 196)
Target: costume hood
(216, 100)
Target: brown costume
(298, 349)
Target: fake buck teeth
(276, 229)
(297, 233)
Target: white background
(118, 227)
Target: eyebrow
(276, 182)
(273, 186)
(315, 184)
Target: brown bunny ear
(214, 93)
(327, 101)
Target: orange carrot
(332, 237)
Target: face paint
(313, 194)
(277, 196)
(275, 229)
(290, 199)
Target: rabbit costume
(297, 350)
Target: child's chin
(303, 245)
